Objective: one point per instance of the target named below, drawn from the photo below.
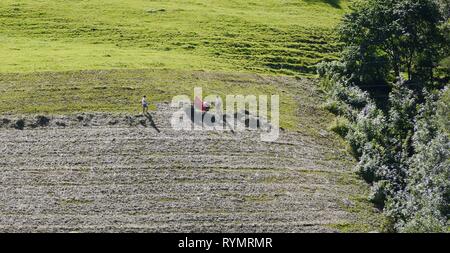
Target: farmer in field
(144, 105)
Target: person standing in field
(144, 105)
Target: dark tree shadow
(334, 3)
(152, 123)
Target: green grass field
(69, 56)
(165, 40)
(265, 36)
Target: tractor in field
(201, 106)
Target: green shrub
(335, 107)
(370, 163)
(425, 221)
(379, 193)
(403, 146)
(340, 126)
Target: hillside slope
(285, 37)
(116, 172)
(99, 165)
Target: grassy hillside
(65, 57)
(121, 91)
(264, 36)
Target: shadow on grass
(152, 123)
(333, 3)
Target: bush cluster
(403, 151)
(402, 142)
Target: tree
(403, 143)
(385, 38)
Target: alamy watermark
(249, 112)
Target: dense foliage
(402, 142)
(387, 39)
